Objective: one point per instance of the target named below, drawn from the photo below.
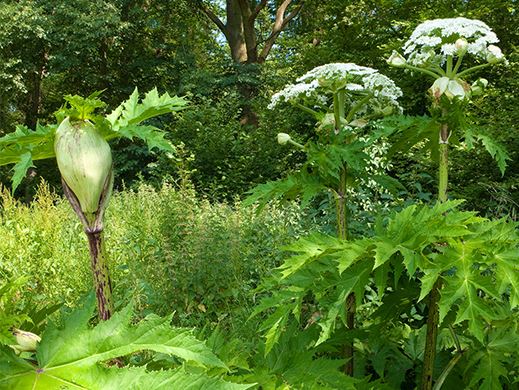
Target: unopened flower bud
(84, 160)
(396, 59)
(494, 54)
(478, 87)
(461, 46)
(455, 89)
(439, 87)
(358, 122)
(481, 82)
(27, 341)
(450, 88)
(283, 138)
(388, 110)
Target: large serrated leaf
(74, 355)
(132, 112)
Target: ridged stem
(342, 224)
(101, 274)
(93, 225)
(434, 295)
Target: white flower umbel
(293, 91)
(434, 40)
(365, 89)
(437, 48)
(337, 70)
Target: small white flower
(293, 91)
(336, 71)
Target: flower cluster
(434, 40)
(358, 81)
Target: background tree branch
(279, 24)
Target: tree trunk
(240, 33)
(235, 32)
(34, 94)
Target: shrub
(168, 250)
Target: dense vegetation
(372, 244)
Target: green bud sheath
(27, 341)
(84, 160)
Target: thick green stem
(102, 283)
(338, 109)
(342, 225)
(93, 225)
(340, 203)
(434, 295)
(431, 337)
(342, 232)
(443, 174)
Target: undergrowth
(169, 252)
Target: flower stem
(473, 69)
(422, 70)
(93, 226)
(458, 64)
(342, 221)
(307, 109)
(102, 283)
(434, 295)
(449, 67)
(357, 107)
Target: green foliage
(80, 108)
(292, 363)
(25, 146)
(72, 355)
(10, 316)
(169, 250)
(496, 151)
(322, 169)
(472, 256)
(132, 112)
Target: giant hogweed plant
(344, 98)
(79, 142)
(74, 355)
(463, 266)
(438, 48)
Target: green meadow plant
(343, 98)
(438, 48)
(74, 354)
(429, 269)
(84, 159)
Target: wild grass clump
(168, 251)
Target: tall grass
(169, 251)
